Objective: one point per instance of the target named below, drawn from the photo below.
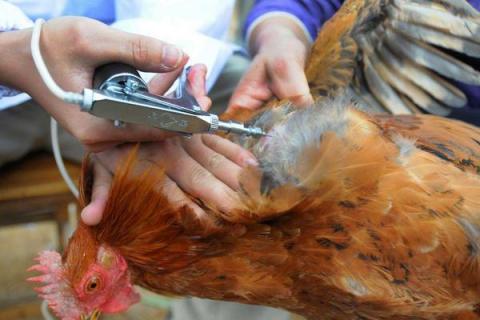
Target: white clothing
(198, 27)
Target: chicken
(348, 216)
(358, 217)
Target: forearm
(16, 64)
(13, 48)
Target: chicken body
(377, 218)
(348, 216)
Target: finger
(142, 52)
(92, 213)
(253, 90)
(302, 100)
(111, 158)
(204, 102)
(100, 146)
(230, 150)
(178, 199)
(161, 82)
(256, 90)
(221, 167)
(241, 101)
(195, 180)
(197, 85)
(112, 135)
(289, 80)
(197, 80)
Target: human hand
(73, 48)
(205, 166)
(280, 50)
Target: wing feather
(431, 58)
(403, 86)
(435, 17)
(436, 37)
(389, 53)
(425, 79)
(461, 7)
(381, 89)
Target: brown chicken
(348, 215)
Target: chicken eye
(93, 284)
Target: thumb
(93, 212)
(142, 52)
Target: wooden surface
(27, 310)
(30, 310)
(19, 245)
(35, 176)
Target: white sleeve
(11, 18)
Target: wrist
(16, 64)
(273, 28)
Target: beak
(94, 316)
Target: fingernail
(250, 162)
(302, 100)
(89, 217)
(171, 56)
(85, 215)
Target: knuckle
(211, 141)
(101, 186)
(230, 203)
(140, 51)
(280, 66)
(215, 161)
(198, 176)
(242, 156)
(226, 209)
(152, 152)
(80, 36)
(170, 146)
(240, 159)
(86, 136)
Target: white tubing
(58, 158)
(69, 97)
(45, 313)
